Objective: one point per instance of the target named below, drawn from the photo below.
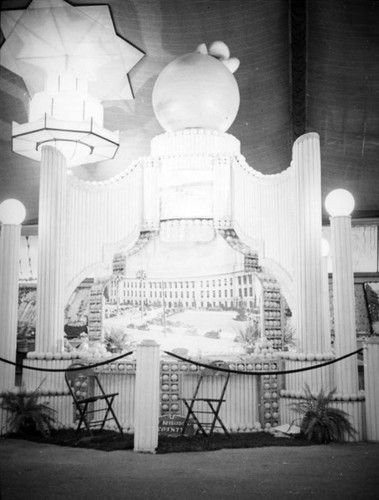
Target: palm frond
(26, 411)
(321, 422)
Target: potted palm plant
(319, 421)
(27, 413)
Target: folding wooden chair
(205, 412)
(82, 385)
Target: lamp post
(12, 214)
(339, 204)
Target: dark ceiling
(306, 65)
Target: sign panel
(173, 426)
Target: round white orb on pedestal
(339, 202)
(196, 91)
(325, 247)
(12, 212)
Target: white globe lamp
(325, 247)
(12, 212)
(339, 202)
(196, 91)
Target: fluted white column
(146, 404)
(150, 186)
(308, 273)
(51, 248)
(346, 375)
(371, 364)
(222, 210)
(327, 341)
(9, 258)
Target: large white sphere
(325, 247)
(196, 91)
(12, 212)
(339, 202)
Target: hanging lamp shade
(71, 59)
(80, 142)
(53, 37)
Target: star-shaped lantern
(70, 59)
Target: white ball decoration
(12, 212)
(325, 247)
(196, 91)
(234, 427)
(361, 395)
(339, 202)
(220, 50)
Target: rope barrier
(279, 372)
(35, 368)
(187, 360)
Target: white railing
(250, 399)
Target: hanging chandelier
(71, 60)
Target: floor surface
(336, 471)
